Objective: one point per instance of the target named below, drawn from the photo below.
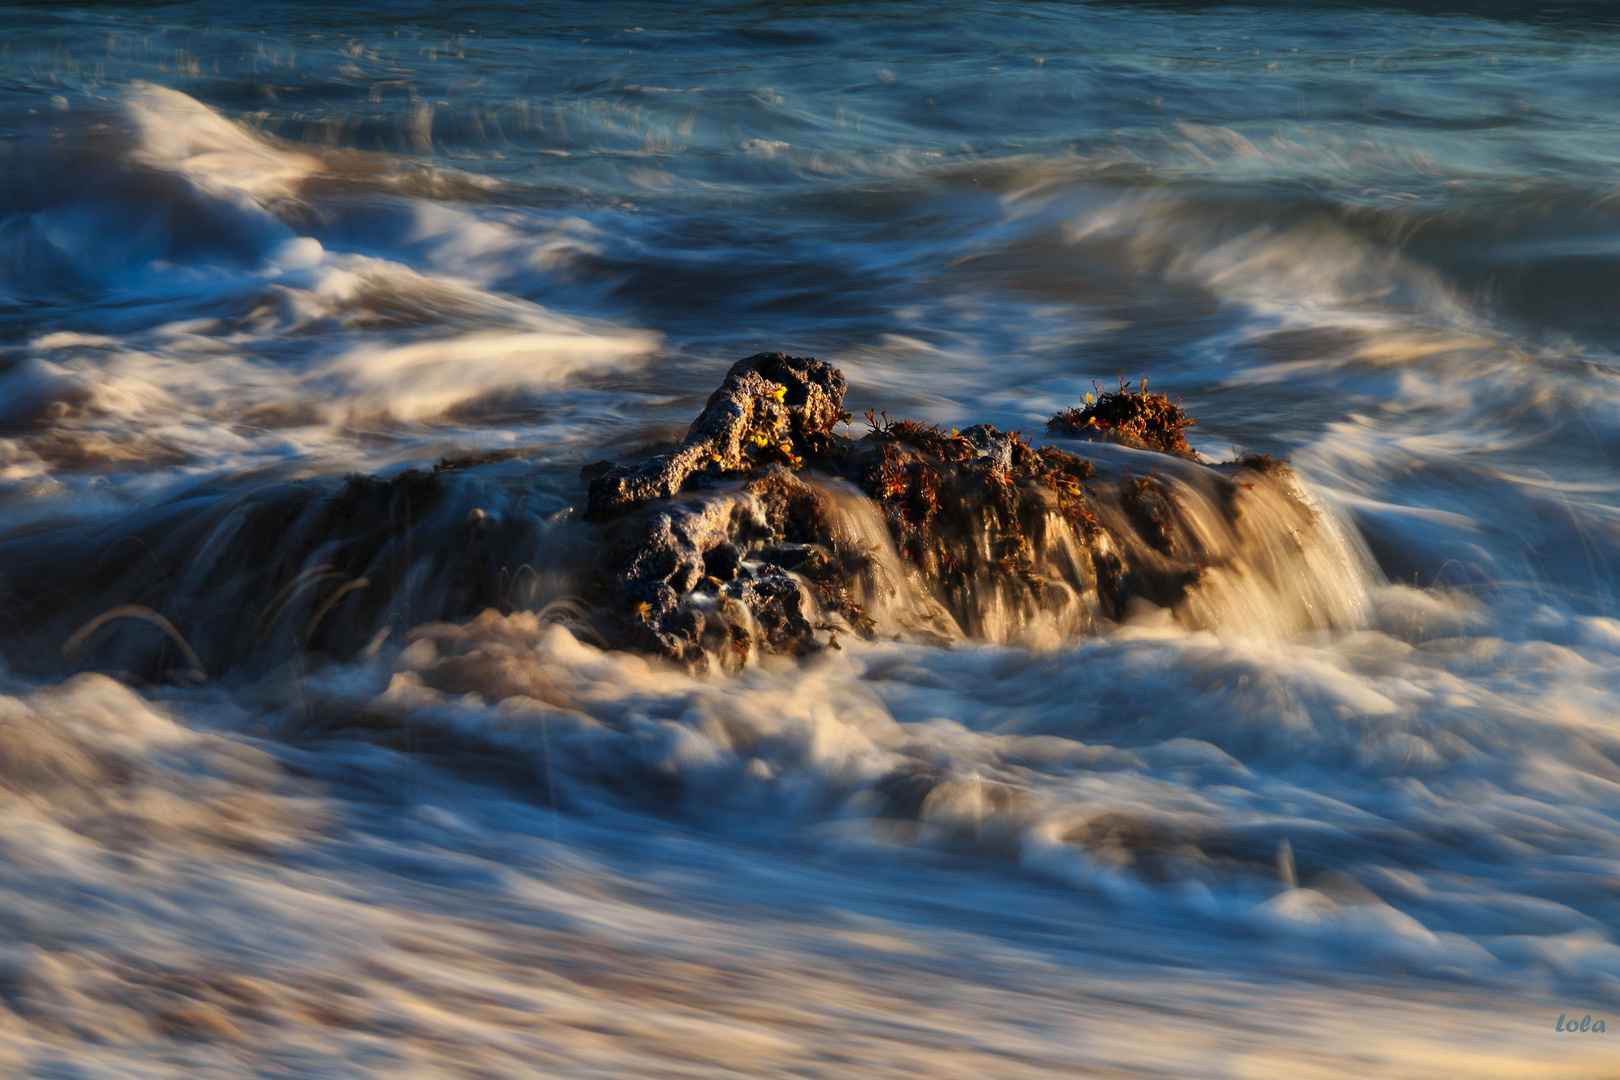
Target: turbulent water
(1353, 809)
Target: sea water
(1365, 821)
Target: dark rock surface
(733, 544)
(711, 572)
(771, 407)
(766, 532)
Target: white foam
(220, 365)
(177, 133)
(1164, 783)
(426, 379)
(193, 908)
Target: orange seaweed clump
(1065, 475)
(931, 439)
(1134, 417)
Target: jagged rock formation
(772, 407)
(741, 540)
(767, 531)
(713, 573)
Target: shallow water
(1354, 811)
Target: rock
(720, 550)
(771, 407)
(745, 539)
(766, 531)
(720, 571)
(994, 447)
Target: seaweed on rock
(1133, 417)
(771, 408)
(765, 532)
(718, 552)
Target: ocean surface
(1363, 824)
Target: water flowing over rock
(766, 532)
(750, 538)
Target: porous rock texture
(739, 542)
(771, 407)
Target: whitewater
(272, 808)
